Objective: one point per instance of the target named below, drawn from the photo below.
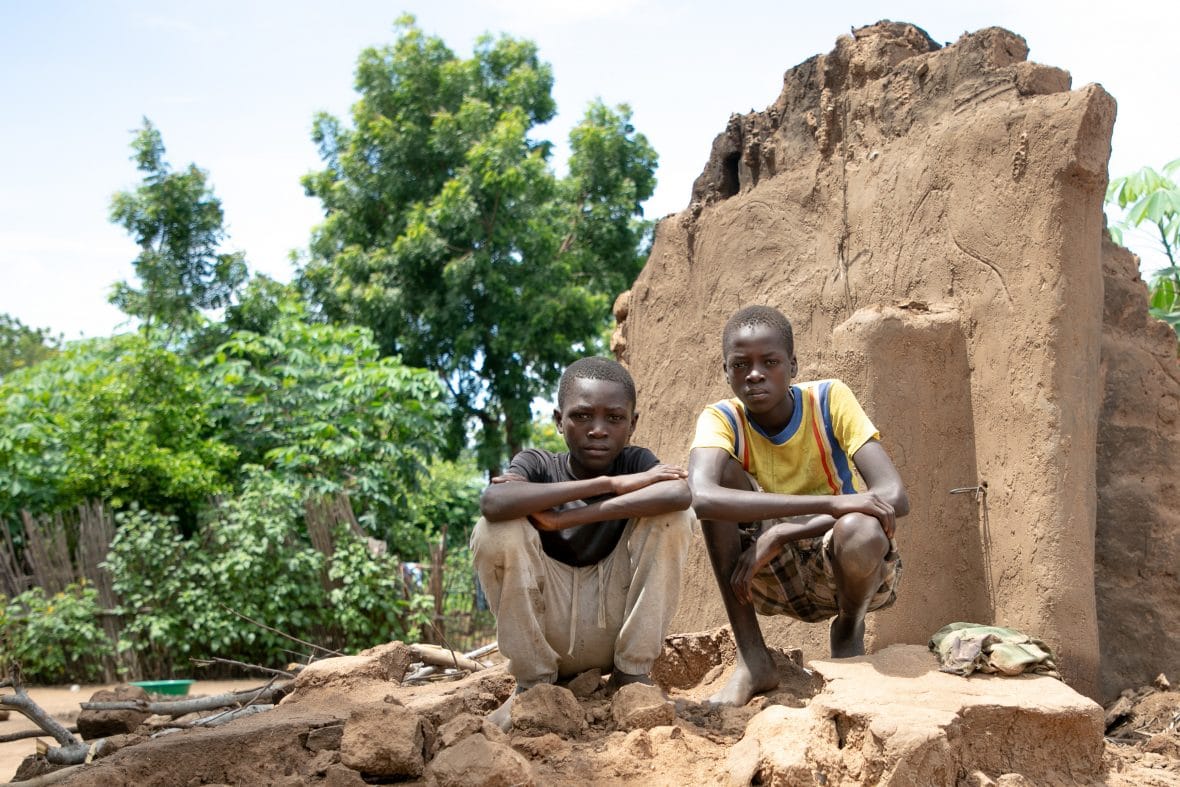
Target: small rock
(1161, 682)
(543, 747)
(637, 705)
(340, 776)
(325, 738)
(1014, 780)
(979, 779)
(547, 708)
(94, 724)
(638, 743)
(1121, 710)
(1165, 743)
(466, 724)
(476, 761)
(386, 740)
(387, 662)
(586, 684)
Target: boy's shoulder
(540, 465)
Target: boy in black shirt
(580, 553)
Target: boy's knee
(859, 544)
(674, 528)
(493, 541)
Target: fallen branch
(434, 656)
(181, 707)
(431, 671)
(210, 721)
(22, 703)
(20, 736)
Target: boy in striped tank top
(789, 528)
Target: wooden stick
(22, 703)
(181, 707)
(435, 656)
(20, 736)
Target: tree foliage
(120, 419)
(22, 346)
(1151, 198)
(315, 403)
(448, 233)
(177, 223)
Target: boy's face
(596, 420)
(759, 368)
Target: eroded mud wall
(931, 220)
(1138, 542)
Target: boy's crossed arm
(658, 490)
(885, 500)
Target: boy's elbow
(682, 498)
(703, 504)
(489, 507)
(901, 505)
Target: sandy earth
(300, 741)
(62, 702)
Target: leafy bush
(55, 638)
(116, 419)
(317, 405)
(1152, 198)
(252, 556)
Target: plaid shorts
(800, 582)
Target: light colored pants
(554, 620)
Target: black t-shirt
(582, 545)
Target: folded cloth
(964, 648)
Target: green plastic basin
(177, 687)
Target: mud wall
(931, 220)
(1138, 535)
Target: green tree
(448, 233)
(120, 419)
(177, 223)
(1151, 198)
(22, 346)
(316, 403)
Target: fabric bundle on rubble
(964, 648)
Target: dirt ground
(62, 702)
(300, 741)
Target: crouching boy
(580, 553)
(789, 529)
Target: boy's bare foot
(846, 636)
(746, 681)
(502, 716)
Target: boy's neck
(777, 424)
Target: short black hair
(595, 368)
(752, 316)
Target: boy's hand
(622, 484)
(761, 552)
(545, 521)
(508, 478)
(866, 503)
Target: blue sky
(233, 86)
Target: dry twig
(281, 633)
(231, 662)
